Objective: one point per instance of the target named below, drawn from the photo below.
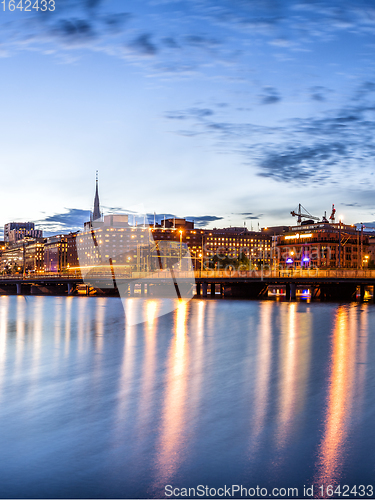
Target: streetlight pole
(180, 250)
(340, 247)
(361, 245)
(202, 252)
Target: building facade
(25, 255)
(322, 245)
(55, 254)
(14, 231)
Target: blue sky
(222, 110)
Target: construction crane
(306, 214)
(332, 216)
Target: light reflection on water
(343, 381)
(263, 373)
(173, 421)
(217, 392)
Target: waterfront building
(369, 258)
(26, 255)
(72, 256)
(110, 238)
(55, 253)
(240, 243)
(11, 260)
(226, 243)
(34, 255)
(323, 245)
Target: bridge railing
(256, 274)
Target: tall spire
(96, 213)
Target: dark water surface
(217, 393)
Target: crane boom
(306, 214)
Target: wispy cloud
(204, 220)
(305, 150)
(209, 27)
(71, 220)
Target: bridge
(335, 284)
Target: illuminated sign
(292, 237)
(297, 236)
(289, 261)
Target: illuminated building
(55, 253)
(322, 245)
(14, 231)
(26, 254)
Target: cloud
(302, 163)
(199, 113)
(197, 33)
(71, 220)
(335, 144)
(201, 41)
(93, 4)
(170, 42)
(73, 30)
(115, 22)
(250, 215)
(203, 220)
(143, 45)
(254, 217)
(318, 93)
(269, 96)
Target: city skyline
(223, 112)
(75, 220)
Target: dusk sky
(224, 111)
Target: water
(251, 393)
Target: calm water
(217, 393)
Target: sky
(228, 112)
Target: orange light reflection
(144, 411)
(288, 376)
(341, 383)
(262, 386)
(173, 416)
(4, 307)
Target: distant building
(273, 230)
(176, 223)
(14, 231)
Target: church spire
(96, 213)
